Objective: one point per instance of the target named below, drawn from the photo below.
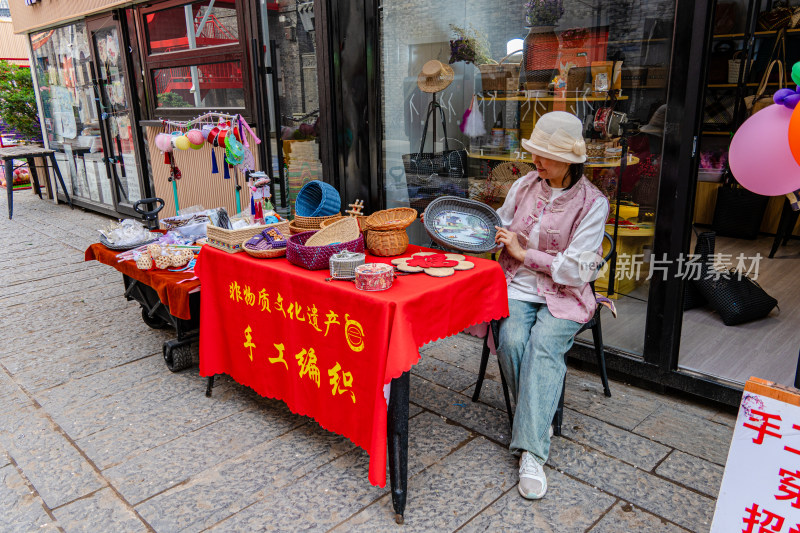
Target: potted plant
(469, 46)
(18, 101)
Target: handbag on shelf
(433, 174)
(738, 212)
(704, 250)
(756, 102)
(780, 16)
(719, 108)
(718, 61)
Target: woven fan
(344, 230)
(505, 174)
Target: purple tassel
(214, 169)
(225, 169)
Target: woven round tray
(362, 222)
(311, 223)
(343, 230)
(117, 247)
(264, 254)
(294, 229)
(392, 219)
(462, 224)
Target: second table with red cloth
(173, 288)
(326, 348)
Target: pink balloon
(759, 155)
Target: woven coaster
(440, 272)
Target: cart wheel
(178, 355)
(154, 322)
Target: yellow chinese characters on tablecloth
(306, 357)
(760, 490)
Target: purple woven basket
(317, 257)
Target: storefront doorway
(82, 72)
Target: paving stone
(680, 429)
(625, 517)
(261, 473)
(414, 410)
(443, 373)
(693, 472)
(491, 394)
(660, 497)
(459, 408)
(462, 350)
(54, 467)
(623, 445)
(725, 418)
(344, 483)
(178, 416)
(102, 511)
(626, 408)
(170, 464)
(569, 506)
(21, 510)
(447, 494)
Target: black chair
(597, 334)
(785, 227)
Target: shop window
(195, 56)
(217, 85)
(191, 26)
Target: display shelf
(549, 98)
(725, 133)
(634, 41)
(751, 84)
(632, 160)
(755, 34)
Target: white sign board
(760, 490)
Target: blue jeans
(531, 350)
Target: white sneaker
(532, 481)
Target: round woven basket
(343, 230)
(311, 223)
(317, 199)
(392, 219)
(294, 230)
(264, 254)
(387, 243)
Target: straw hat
(557, 135)
(656, 124)
(435, 76)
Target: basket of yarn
(317, 199)
(317, 257)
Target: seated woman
(553, 220)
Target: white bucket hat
(558, 135)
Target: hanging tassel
(226, 173)
(214, 169)
(473, 123)
(167, 160)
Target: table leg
(209, 386)
(60, 179)
(9, 174)
(397, 433)
(34, 176)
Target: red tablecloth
(326, 348)
(172, 294)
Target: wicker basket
(311, 223)
(387, 243)
(317, 199)
(343, 230)
(317, 257)
(391, 219)
(481, 218)
(230, 240)
(500, 77)
(362, 222)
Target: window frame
(211, 54)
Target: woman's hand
(509, 239)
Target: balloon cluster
(764, 154)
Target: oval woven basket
(387, 243)
(392, 219)
(317, 257)
(311, 223)
(317, 199)
(462, 224)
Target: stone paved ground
(97, 435)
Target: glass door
(117, 120)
